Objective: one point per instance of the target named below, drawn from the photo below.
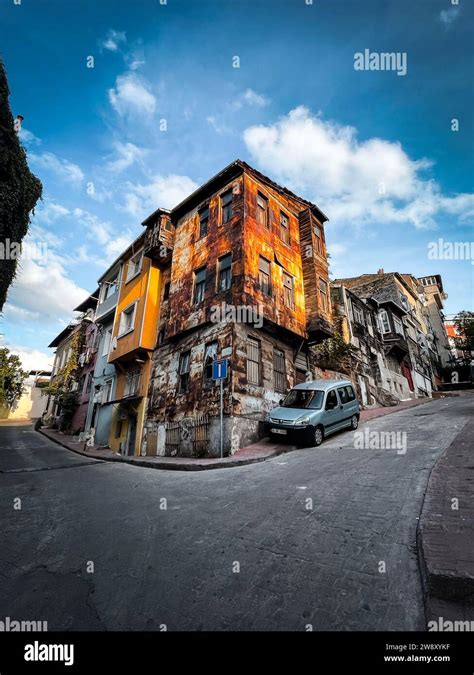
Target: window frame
(383, 314)
(266, 220)
(126, 310)
(225, 206)
(207, 379)
(184, 357)
(255, 344)
(196, 284)
(261, 272)
(285, 276)
(280, 381)
(227, 273)
(129, 276)
(285, 239)
(203, 210)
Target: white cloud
(163, 191)
(126, 154)
(132, 96)
(31, 359)
(252, 99)
(448, 16)
(113, 40)
(28, 137)
(64, 169)
(48, 212)
(219, 127)
(353, 181)
(44, 289)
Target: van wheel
(318, 436)
(354, 421)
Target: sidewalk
(257, 452)
(446, 534)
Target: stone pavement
(256, 452)
(446, 532)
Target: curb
(442, 582)
(168, 466)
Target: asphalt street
(320, 538)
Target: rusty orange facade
(244, 277)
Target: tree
(12, 378)
(19, 189)
(464, 325)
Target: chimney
(380, 271)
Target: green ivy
(20, 190)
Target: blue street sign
(219, 369)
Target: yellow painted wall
(145, 289)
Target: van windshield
(304, 398)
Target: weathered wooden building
(245, 277)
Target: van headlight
(302, 422)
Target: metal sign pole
(222, 418)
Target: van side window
(331, 401)
(342, 391)
(350, 393)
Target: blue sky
(163, 109)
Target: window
(342, 394)
(262, 210)
(323, 294)
(284, 228)
(265, 276)
(404, 301)
(203, 222)
(288, 291)
(358, 314)
(110, 287)
(183, 372)
(166, 291)
(350, 393)
(226, 206)
(132, 383)
(224, 272)
(398, 325)
(210, 355)
(279, 370)
(385, 323)
(331, 401)
(107, 341)
(319, 239)
(161, 337)
(127, 319)
(107, 391)
(89, 378)
(199, 285)
(253, 361)
(134, 265)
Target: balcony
(319, 328)
(159, 239)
